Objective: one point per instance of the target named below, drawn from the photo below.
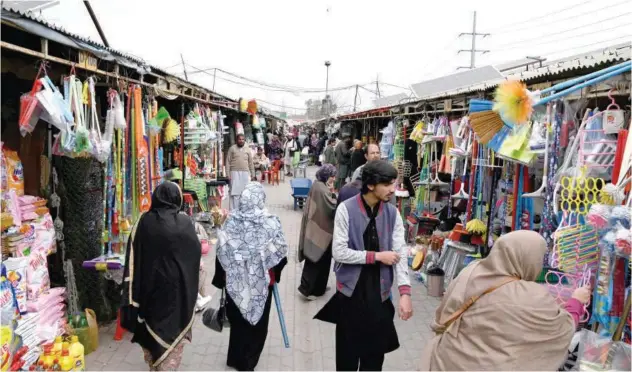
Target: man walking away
(370, 253)
(330, 153)
(343, 157)
(239, 168)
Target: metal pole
(184, 67)
(473, 54)
(355, 99)
(96, 23)
(214, 74)
(327, 64)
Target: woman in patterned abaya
(161, 280)
(251, 254)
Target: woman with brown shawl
(317, 227)
(512, 323)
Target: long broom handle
(577, 87)
(277, 301)
(580, 79)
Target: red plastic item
(120, 331)
(273, 173)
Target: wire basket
(484, 162)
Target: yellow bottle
(77, 354)
(66, 361)
(65, 346)
(57, 346)
(48, 358)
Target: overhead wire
(555, 12)
(563, 39)
(592, 12)
(537, 38)
(602, 42)
(274, 87)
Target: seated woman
(261, 161)
(251, 254)
(494, 316)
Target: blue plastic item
(300, 190)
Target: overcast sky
(286, 42)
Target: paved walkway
(311, 341)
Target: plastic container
(66, 361)
(435, 282)
(83, 335)
(77, 352)
(57, 347)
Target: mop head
(476, 227)
(171, 131)
(611, 195)
(513, 102)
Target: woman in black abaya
(161, 279)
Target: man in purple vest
(369, 250)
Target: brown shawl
(519, 326)
(317, 225)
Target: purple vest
(347, 275)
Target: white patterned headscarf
(251, 242)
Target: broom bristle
(486, 124)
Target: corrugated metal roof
(611, 54)
(31, 16)
(389, 100)
(18, 18)
(457, 80)
(608, 55)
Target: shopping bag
(29, 109)
(59, 101)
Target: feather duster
(171, 131)
(513, 102)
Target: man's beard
(240, 144)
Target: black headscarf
(162, 273)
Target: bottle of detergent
(77, 354)
(57, 346)
(66, 361)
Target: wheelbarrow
(300, 190)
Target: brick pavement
(311, 341)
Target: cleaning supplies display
(77, 354)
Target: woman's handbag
(216, 319)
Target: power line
(574, 6)
(564, 39)
(176, 65)
(275, 87)
(591, 44)
(602, 42)
(282, 106)
(563, 31)
(592, 12)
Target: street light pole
(327, 64)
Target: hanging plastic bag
(50, 111)
(118, 112)
(29, 109)
(255, 122)
(83, 146)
